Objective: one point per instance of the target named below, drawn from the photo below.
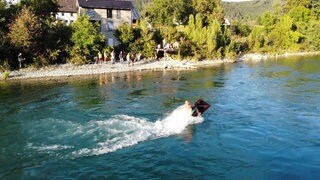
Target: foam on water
(103, 136)
(54, 147)
(177, 121)
(124, 131)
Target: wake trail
(117, 132)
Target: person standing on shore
(158, 51)
(128, 58)
(113, 57)
(138, 57)
(20, 59)
(105, 54)
(100, 57)
(121, 56)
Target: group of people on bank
(130, 58)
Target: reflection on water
(274, 74)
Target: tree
(283, 37)
(207, 41)
(148, 43)
(268, 20)
(44, 9)
(25, 30)
(2, 28)
(87, 40)
(58, 43)
(2, 20)
(126, 36)
(167, 12)
(314, 36)
(209, 9)
(257, 38)
(137, 40)
(3, 5)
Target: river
(264, 123)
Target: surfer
(187, 105)
(192, 109)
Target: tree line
(30, 28)
(196, 26)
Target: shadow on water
(140, 92)
(178, 78)
(170, 101)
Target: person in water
(192, 109)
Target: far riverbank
(68, 70)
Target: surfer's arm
(198, 112)
(195, 110)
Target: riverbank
(68, 70)
(259, 56)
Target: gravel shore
(67, 70)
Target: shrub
(5, 66)
(5, 75)
(87, 40)
(78, 60)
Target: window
(109, 13)
(91, 13)
(110, 42)
(62, 14)
(71, 14)
(118, 14)
(110, 26)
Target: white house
(13, 1)
(110, 14)
(68, 11)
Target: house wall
(108, 25)
(67, 17)
(125, 16)
(13, 1)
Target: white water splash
(104, 136)
(177, 121)
(124, 131)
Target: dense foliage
(88, 41)
(294, 28)
(30, 28)
(195, 27)
(25, 31)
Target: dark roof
(67, 6)
(103, 4)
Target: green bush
(77, 59)
(5, 75)
(5, 66)
(87, 40)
